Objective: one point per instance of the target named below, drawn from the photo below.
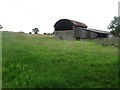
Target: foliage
(1, 26)
(30, 32)
(40, 61)
(112, 41)
(21, 32)
(35, 30)
(115, 26)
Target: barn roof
(79, 24)
(61, 25)
(98, 31)
(73, 22)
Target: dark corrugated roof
(98, 31)
(75, 23)
(78, 24)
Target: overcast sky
(24, 15)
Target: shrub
(113, 41)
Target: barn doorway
(77, 38)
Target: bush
(112, 41)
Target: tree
(35, 30)
(114, 26)
(30, 32)
(1, 26)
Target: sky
(24, 15)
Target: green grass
(42, 61)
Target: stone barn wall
(93, 35)
(90, 35)
(67, 34)
(84, 33)
(79, 32)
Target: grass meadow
(40, 61)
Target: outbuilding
(70, 29)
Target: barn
(71, 30)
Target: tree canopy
(1, 26)
(114, 26)
(35, 30)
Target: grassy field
(41, 61)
